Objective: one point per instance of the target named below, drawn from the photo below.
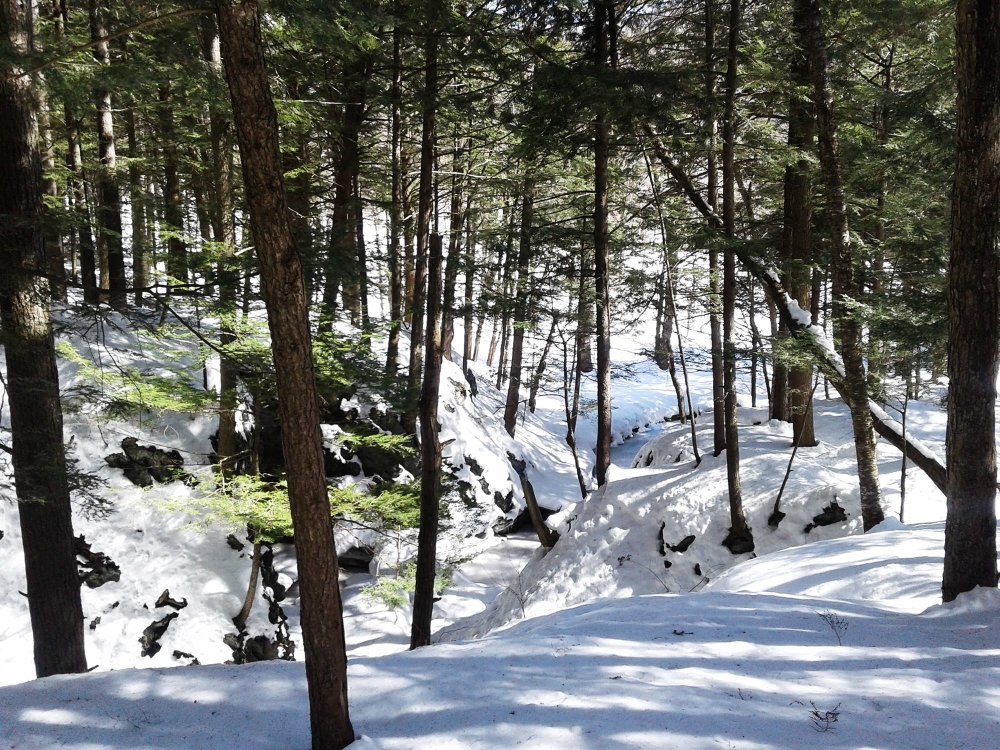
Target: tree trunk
(845, 284)
(738, 529)
(521, 307)
(536, 378)
(173, 211)
(88, 258)
(283, 289)
(798, 220)
(970, 553)
(32, 378)
(714, 279)
(456, 224)
(395, 208)
(138, 208)
(430, 452)
(55, 262)
(425, 201)
(468, 309)
(601, 270)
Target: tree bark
(845, 287)
(430, 451)
(970, 553)
(738, 529)
(395, 206)
(524, 253)
(283, 288)
(32, 378)
(714, 277)
(173, 211)
(88, 258)
(601, 270)
(798, 219)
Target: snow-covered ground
(627, 634)
(716, 669)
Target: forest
(556, 373)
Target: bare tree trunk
(601, 270)
(88, 260)
(138, 208)
(55, 262)
(298, 404)
(456, 224)
(714, 277)
(173, 212)
(970, 553)
(524, 254)
(425, 201)
(240, 620)
(844, 279)
(430, 451)
(798, 219)
(32, 384)
(467, 310)
(740, 539)
(395, 207)
(536, 379)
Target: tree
(970, 552)
(32, 386)
(298, 405)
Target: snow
(822, 638)
(715, 669)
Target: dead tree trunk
(521, 307)
(601, 269)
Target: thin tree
(298, 405)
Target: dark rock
(185, 655)
(739, 543)
(683, 544)
(831, 514)
(235, 543)
(152, 634)
(95, 622)
(660, 544)
(467, 494)
(667, 563)
(96, 568)
(775, 518)
(356, 558)
(504, 502)
(166, 601)
(335, 466)
(697, 569)
(376, 460)
(470, 377)
(142, 464)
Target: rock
(235, 543)
(336, 466)
(166, 601)
(95, 622)
(470, 377)
(185, 655)
(504, 502)
(356, 558)
(152, 634)
(831, 514)
(96, 568)
(142, 464)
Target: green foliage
(394, 592)
(126, 391)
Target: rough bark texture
(970, 554)
(601, 270)
(798, 220)
(845, 286)
(430, 453)
(138, 208)
(32, 379)
(714, 277)
(298, 406)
